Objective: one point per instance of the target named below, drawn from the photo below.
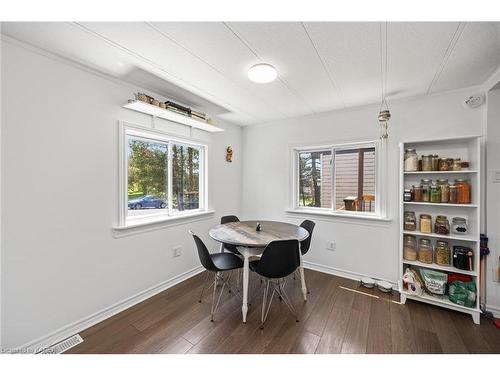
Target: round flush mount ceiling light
(262, 73)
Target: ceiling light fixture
(262, 73)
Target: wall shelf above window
(153, 110)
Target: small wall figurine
(229, 154)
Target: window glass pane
(185, 177)
(147, 176)
(315, 179)
(355, 179)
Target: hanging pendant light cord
(383, 65)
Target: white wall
(493, 197)
(60, 261)
(363, 247)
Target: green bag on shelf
(463, 294)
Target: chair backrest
(229, 219)
(309, 226)
(203, 254)
(279, 259)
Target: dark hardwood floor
(335, 319)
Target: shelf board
(153, 110)
(441, 204)
(434, 266)
(439, 301)
(464, 171)
(445, 237)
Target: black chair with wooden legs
(279, 260)
(217, 263)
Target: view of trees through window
(355, 178)
(148, 176)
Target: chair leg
(286, 299)
(215, 305)
(265, 304)
(204, 286)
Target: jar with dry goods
(463, 191)
(410, 247)
(445, 190)
(459, 225)
(435, 194)
(425, 223)
(435, 162)
(425, 254)
(442, 225)
(417, 193)
(407, 195)
(410, 220)
(426, 187)
(444, 164)
(442, 253)
(453, 194)
(427, 163)
(411, 160)
(457, 165)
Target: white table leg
(246, 271)
(302, 278)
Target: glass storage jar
(407, 195)
(435, 162)
(457, 165)
(442, 253)
(426, 186)
(425, 223)
(410, 220)
(444, 164)
(463, 191)
(417, 193)
(425, 254)
(459, 225)
(445, 190)
(410, 247)
(411, 160)
(442, 225)
(427, 162)
(453, 194)
(435, 194)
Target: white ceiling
(322, 66)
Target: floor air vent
(64, 345)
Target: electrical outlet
(331, 245)
(176, 251)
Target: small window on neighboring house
(337, 178)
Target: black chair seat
(226, 261)
(253, 265)
(231, 248)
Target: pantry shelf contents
(439, 223)
(170, 112)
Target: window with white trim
(162, 176)
(337, 179)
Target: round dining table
(250, 242)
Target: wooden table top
(243, 233)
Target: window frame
(380, 211)
(127, 130)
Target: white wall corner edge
(71, 329)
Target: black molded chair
(216, 263)
(227, 246)
(304, 245)
(279, 259)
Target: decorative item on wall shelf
(229, 154)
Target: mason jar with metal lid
(444, 164)
(463, 191)
(457, 165)
(410, 247)
(425, 254)
(411, 160)
(442, 225)
(426, 187)
(453, 194)
(427, 162)
(442, 253)
(435, 194)
(445, 190)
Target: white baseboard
(45, 341)
(495, 310)
(343, 273)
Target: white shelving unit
(466, 148)
(155, 111)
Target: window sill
(148, 224)
(346, 215)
